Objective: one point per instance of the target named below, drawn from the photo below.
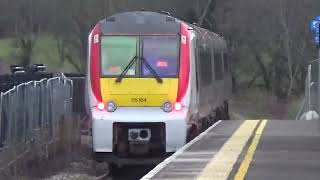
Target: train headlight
(111, 106)
(177, 106)
(167, 107)
(100, 106)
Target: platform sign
(315, 28)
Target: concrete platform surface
(251, 149)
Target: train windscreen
(162, 53)
(116, 54)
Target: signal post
(315, 28)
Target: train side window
(205, 64)
(218, 68)
(226, 62)
(197, 66)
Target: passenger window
(226, 62)
(205, 61)
(218, 69)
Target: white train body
(177, 85)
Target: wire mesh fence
(32, 107)
(310, 108)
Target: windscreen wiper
(153, 72)
(124, 72)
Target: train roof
(140, 22)
(148, 22)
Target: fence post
(308, 95)
(1, 95)
(318, 85)
(10, 118)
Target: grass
(294, 107)
(7, 50)
(258, 104)
(45, 52)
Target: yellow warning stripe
(222, 163)
(249, 155)
(139, 92)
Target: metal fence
(78, 95)
(310, 108)
(32, 107)
(8, 81)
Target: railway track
(127, 173)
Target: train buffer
(251, 149)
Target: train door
(227, 75)
(201, 88)
(194, 101)
(197, 70)
(213, 87)
(219, 75)
(213, 84)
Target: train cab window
(116, 54)
(218, 68)
(225, 62)
(162, 53)
(206, 70)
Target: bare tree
(26, 29)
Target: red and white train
(153, 82)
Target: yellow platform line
(221, 164)
(242, 171)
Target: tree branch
(205, 12)
(70, 60)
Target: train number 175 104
(137, 100)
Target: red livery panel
(95, 62)
(184, 62)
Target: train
(153, 83)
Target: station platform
(250, 149)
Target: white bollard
(311, 115)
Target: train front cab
(129, 118)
